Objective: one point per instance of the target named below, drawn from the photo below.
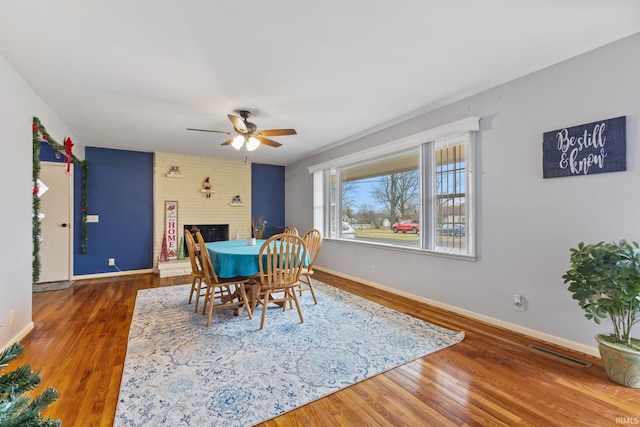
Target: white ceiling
(134, 74)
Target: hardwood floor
(491, 378)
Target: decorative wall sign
(596, 147)
(171, 229)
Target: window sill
(405, 249)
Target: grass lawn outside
(384, 233)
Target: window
(414, 193)
(450, 195)
(376, 196)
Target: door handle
(64, 224)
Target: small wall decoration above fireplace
(236, 201)
(597, 147)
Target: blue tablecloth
(233, 258)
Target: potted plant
(605, 280)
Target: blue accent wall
(267, 195)
(120, 192)
(48, 154)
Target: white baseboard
(23, 333)
(114, 274)
(593, 351)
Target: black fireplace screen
(210, 232)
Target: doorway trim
(69, 189)
(40, 134)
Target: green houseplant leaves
(605, 280)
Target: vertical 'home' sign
(596, 147)
(171, 229)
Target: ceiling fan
(247, 133)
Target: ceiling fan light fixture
(247, 134)
(238, 142)
(252, 143)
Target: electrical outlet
(518, 302)
(112, 261)
(13, 317)
(373, 269)
(93, 218)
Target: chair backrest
(291, 230)
(281, 259)
(196, 265)
(313, 240)
(210, 275)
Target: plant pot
(621, 364)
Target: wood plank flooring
(491, 378)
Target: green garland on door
(41, 134)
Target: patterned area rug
(178, 372)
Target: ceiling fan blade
(276, 132)
(238, 123)
(269, 142)
(228, 142)
(214, 131)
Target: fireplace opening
(210, 232)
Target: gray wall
(526, 224)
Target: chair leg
(198, 290)
(193, 286)
(207, 295)
(309, 284)
(255, 293)
(313, 294)
(225, 291)
(209, 300)
(286, 295)
(302, 282)
(264, 308)
(247, 305)
(295, 298)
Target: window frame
(427, 143)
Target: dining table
(238, 258)
(235, 258)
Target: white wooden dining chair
(313, 241)
(281, 260)
(219, 291)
